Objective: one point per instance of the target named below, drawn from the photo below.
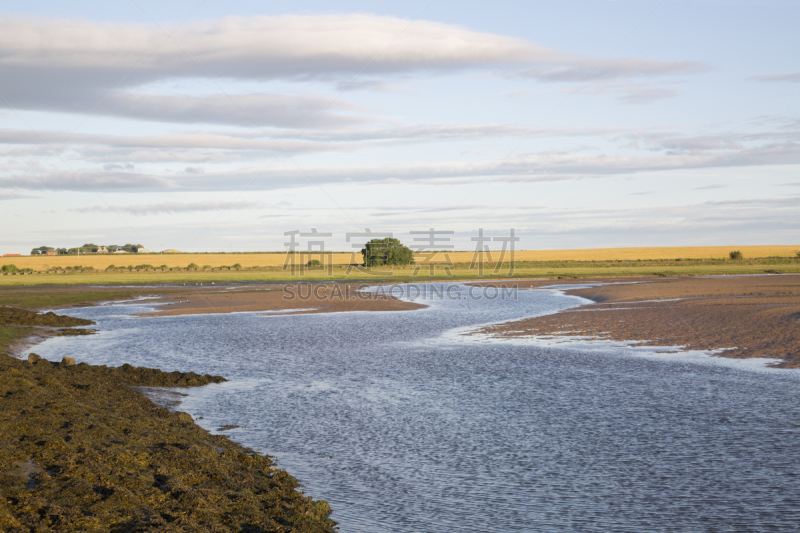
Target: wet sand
(747, 316)
(279, 299)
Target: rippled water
(403, 426)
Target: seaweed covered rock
(23, 317)
(81, 450)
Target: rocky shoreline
(83, 449)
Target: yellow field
(249, 260)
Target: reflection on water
(404, 427)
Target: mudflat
(300, 298)
(746, 316)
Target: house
(102, 250)
(51, 253)
(10, 255)
(143, 251)
(120, 252)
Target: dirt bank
(80, 450)
(747, 316)
(292, 298)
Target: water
(405, 426)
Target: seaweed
(81, 450)
(23, 317)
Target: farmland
(276, 259)
(460, 271)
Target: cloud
(171, 207)
(575, 68)
(707, 187)
(793, 77)
(13, 195)
(219, 145)
(793, 201)
(527, 167)
(86, 180)
(629, 93)
(364, 85)
(71, 65)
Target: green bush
(314, 263)
(237, 265)
(144, 267)
(378, 252)
(78, 268)
(736, 255)
(192, 266)
(163, 267)
(9, 268)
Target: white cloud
(527, 167)
(71, 65)
(171, 207)
(628, 92)
(14, 195)
(793, 77)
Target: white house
(143, 251)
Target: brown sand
(747, 316)
(291, 298)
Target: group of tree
(388, 251)
(86, 249)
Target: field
(276, 259)
(266, 267)
(564, 269)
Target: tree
(388, 251)
(735, 255)
(35, 251)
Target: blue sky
(210, 126)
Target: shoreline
(739, 317)
(85, 447)
(82, 447)
(277, 300)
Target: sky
(212, 126)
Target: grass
(47, 296)
(527, 269)
(11, 334)
(276, 259)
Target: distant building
(120, 252)
(10, 255)
(51, 253)
(143, 251)
(102, 250)
(172, 251)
